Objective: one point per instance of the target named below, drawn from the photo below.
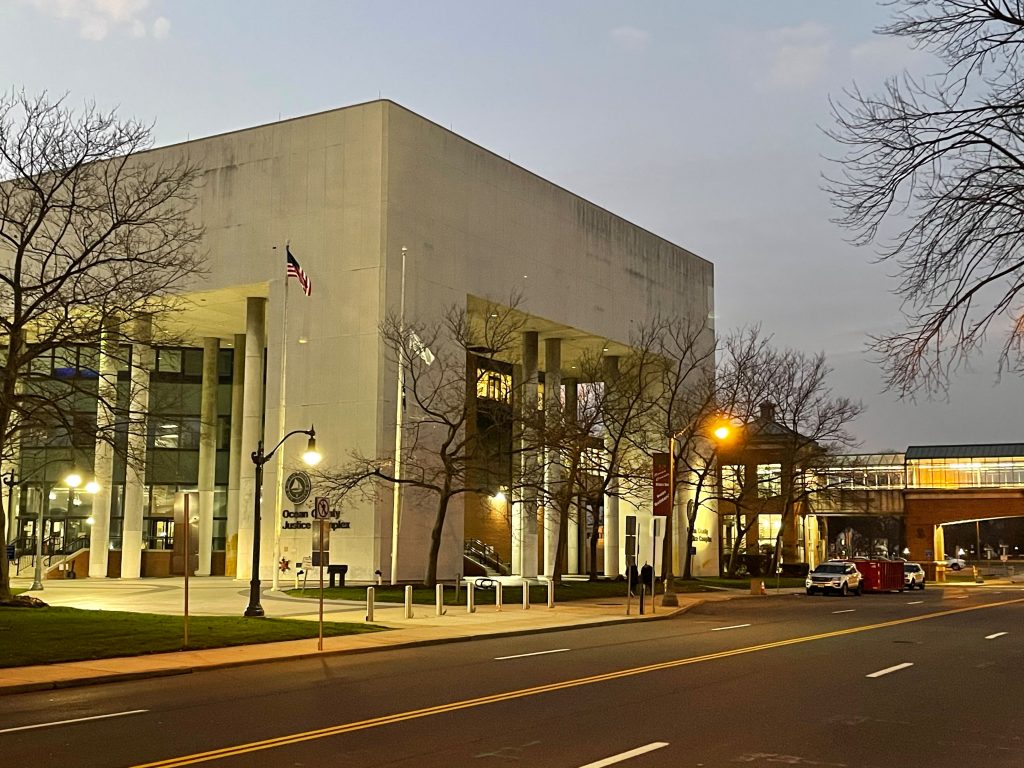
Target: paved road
(911, 679)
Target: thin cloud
(630, 39)
(798, 56)
(883, 54)
(98, 19)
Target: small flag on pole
(421, 349)
(294, 270)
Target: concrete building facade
(347, 190)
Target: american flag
(294, 270)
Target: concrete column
(252, 428)
(524, 513)
(553, 475)
(235, 458)
(135, 474)
(207, 452)
(103, 463)
(612, 548)
(572, 544)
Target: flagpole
(279, 485)
(396, 512)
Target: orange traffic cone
(763, 590)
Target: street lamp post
(259, 458)
(668, 597)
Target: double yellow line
(376, 722)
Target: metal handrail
(486, 554)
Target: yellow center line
(376, 722)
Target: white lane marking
(719, 629)
(535, 653)
(845, 610)
(997, 634)
(73, 720)
(915, 602)
(627, 755)
(957, 597)
(887, 670)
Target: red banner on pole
(662, 491)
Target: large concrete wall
(349, 188)
(477, 224)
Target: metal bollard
(551, 593)
(408, 601)
(470, 598)
(369, 603)
(526, 594)
(439, 600)
(497, 595)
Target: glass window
(225, 363)
(168, 360)
(192, 362)
(769, 480)
(492, 385)
(732, 481)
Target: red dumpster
(880, 575)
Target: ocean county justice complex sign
(297, 519)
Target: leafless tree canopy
(95, 236)
(441, 458)
(932, 173)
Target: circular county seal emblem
(297, 487)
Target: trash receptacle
(756, 585)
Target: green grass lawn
(566, 591)
(48, 635)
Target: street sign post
(321, 512)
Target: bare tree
(95, 237)
(681, 399)
(932, 171)
(790, 425)
(443, 452)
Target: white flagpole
(279, 485)
(396, 512)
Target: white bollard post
(408, 601)
(470, 598)
(369, 603)
(526, 595)
(551, 593)
(497, 595)
(439, 600)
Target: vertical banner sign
(662, 491)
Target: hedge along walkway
(49, 635)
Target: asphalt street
(911, 679)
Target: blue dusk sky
(700, 121)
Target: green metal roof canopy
(990, 450)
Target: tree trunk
(435, 539)
(592, 570)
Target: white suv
(913, 576)
(834, 576)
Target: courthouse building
(348, 189)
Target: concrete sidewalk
(222, 596)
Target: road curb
(116, 677)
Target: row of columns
(525, 536)
(246, 429)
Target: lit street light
(668, 597)
(311, 457)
